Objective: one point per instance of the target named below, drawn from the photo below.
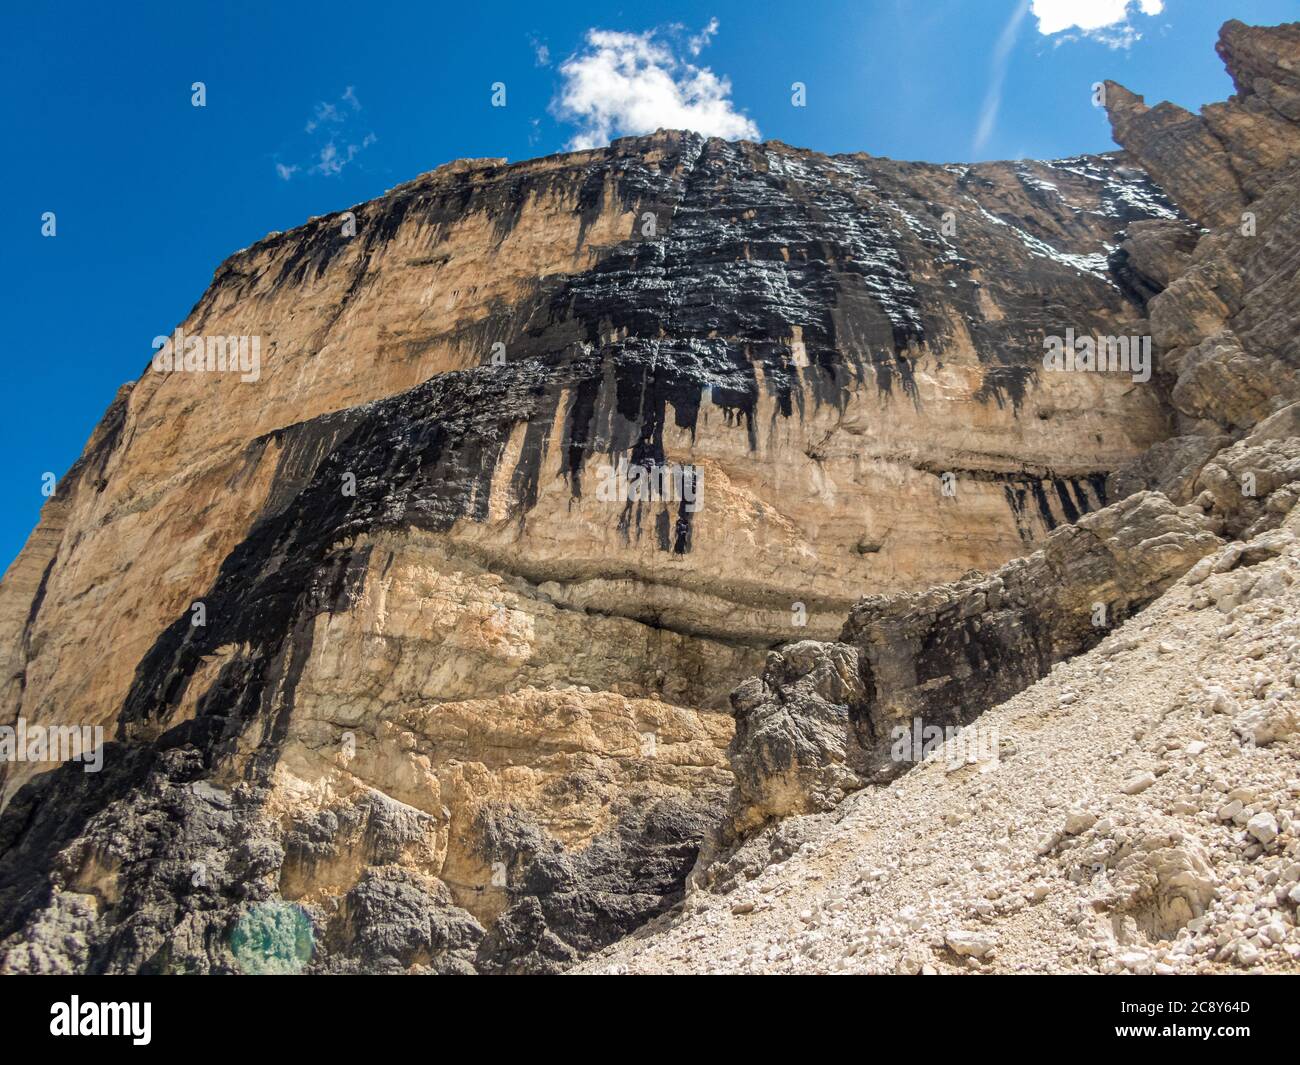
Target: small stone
(1079, 821)
(1048, 845)
(1274, 932)
(1228, 558)
(1200, 571)
(1221, 702)
(1230, 810)
(971, 944)
(1263, 826)
(1139, 783)
(743, 907)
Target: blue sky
(314, 107)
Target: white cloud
(997, 75)
(327, 112)
(1107, 21)
(632, 83)
(333, 138)
(332, 159)
(701, 40)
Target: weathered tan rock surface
(1132, 809)
(1225, 323)
(826, 719)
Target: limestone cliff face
(821, 719)
(825, 719)
(455, 703)
(1225, 324)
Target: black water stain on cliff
(1015, 495)
(1070, 493)
(1005, 384)
(1067, 504)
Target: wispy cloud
(630, 83)
(997, 77)
(1109, 22)
(335, 113)
(332, 159)
(333, 138)
(541, 51)
(701, 40)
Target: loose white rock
(1139, 783)
(971, 944)
(1263, 826)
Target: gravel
(1150, 824)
